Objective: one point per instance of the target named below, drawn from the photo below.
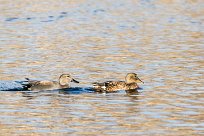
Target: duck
(130, 83)
(62, 83)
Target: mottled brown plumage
(63, 82)
(130, 83)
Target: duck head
(132, 78)
(65, 79)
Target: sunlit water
(162, 41)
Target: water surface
(162, 41)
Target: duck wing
(40, 85)
(100, 87)
(109, 86)
(114, 86)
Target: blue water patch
(51, 16)
(171, 20)
(147, 3)
(122, 26)
(11, 19)
(11, 85)
(63, 13)
(98, 10)
(30, 18)
(60, 16)
(47, 20)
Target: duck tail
(27, 86)
(95, 85)
(27, 78)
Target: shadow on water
(132, 92)
(67, 91)
(75, 90)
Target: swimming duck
(63, 82)
(130, 83)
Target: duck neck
(62, 82)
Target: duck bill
(75, 81)
(140, 80)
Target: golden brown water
(162, 41)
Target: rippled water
(162, 41)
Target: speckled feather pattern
(130, 83)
